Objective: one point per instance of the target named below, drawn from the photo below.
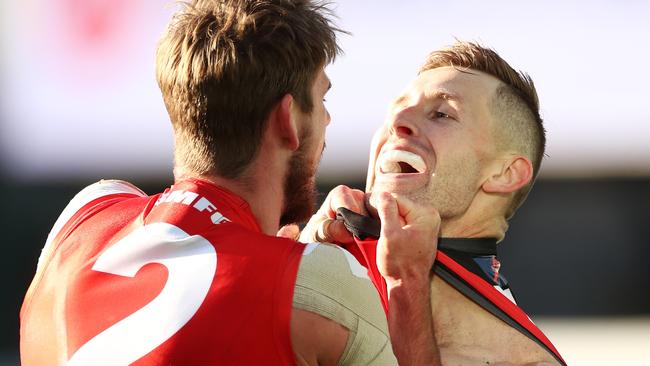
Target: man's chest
(468, 335)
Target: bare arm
(316, 340)
(410, 325)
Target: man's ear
(516, 171)
(285, 123)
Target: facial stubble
(300, 184)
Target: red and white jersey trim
(94, 191)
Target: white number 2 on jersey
(191, 262)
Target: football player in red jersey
(195, 275)
(465, 138)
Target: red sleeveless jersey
(181, 278)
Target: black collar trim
(364, 226)
(475, 246)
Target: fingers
(291, 231)
(326, 230)
(408, 241)
(323, 226)
(333, 231)
(343, 196)
(408, 212)
(322, 231)
(388, 212)
(338, 233)
(308, 234)
(415, 214)
(370, 205)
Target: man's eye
(324, 100)
(439, 114)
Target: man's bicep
(334, 286)
(316, 340)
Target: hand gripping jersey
(468, 265)
(181, 278)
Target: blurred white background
(78, 98)
(78, 80)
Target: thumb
(411, 213)
(291, 231)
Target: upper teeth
(389, 161)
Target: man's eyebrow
(446, 95)
(435, 95)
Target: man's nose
(403, 122)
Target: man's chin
(403, 187)
(416, 193)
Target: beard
(299, 186)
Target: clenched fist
(409, 238)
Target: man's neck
(484, 218)
(265, 198)
(465, 227)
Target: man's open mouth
(401, 162)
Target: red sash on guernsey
(474, 287)
(181, 278)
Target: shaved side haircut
(514, 105)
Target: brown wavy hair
(224, 64)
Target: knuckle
(342, 188)
(337, 192)
(358, 195)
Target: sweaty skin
(469, 335)
(465, 333)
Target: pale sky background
(78, 96)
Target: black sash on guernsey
(468, 265)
